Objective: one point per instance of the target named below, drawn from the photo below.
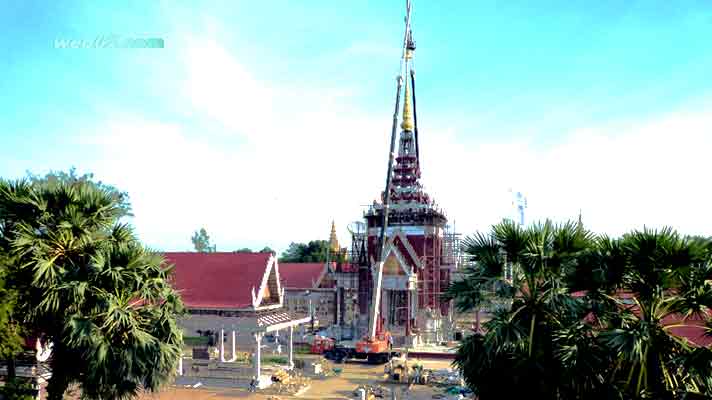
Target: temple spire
(407, 124)
(333, 241)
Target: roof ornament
(333, 240)
(407, 124)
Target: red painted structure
(417, 258)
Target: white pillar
(361, 394)
(291, 347)
(234, 352)
(180, 365)
(222, 345)
(257, 358)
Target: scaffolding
(439, 257)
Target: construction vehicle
(377, 345)
(321, 344)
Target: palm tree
(658, 282)
(86, 283)
(591, 317)
(516, 355)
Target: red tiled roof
(694, 329)
(300, 275)
(217, 280)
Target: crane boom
(377, 283)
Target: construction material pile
(419, 375)
(327, 368)
(445, 377)
(400, 370)
(372, 391)
(281, 376)
(289, 382)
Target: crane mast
(378, 281)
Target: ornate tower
(416, 264)
(333, 241)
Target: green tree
(53, 178)
(84, 281)
(17, 389)
(243, 250)
(10, 330)
(314, 251)
(584, 316)
(201, 241)
(267, 249)
(515, 357)
(664, 278)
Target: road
(322, 388)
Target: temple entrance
(397, 308)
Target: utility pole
(519, 203)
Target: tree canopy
(71, 178)
(585, 316)
(10, 329)
(265, 249)
(201, 242)
(84, 281)
(314, 251)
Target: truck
(363, 350)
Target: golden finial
(333, 241)
(407, 124)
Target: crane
(375, 346)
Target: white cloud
(308, 156)
(620, 175)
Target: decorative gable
(270, 290)
(401, 240)
(392, 266)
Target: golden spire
(333, 241)
(407, 124)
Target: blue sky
(262, 121)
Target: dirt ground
(333, 387)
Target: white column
(234, 352)
(180, 365)
(222, 344)
(258, 351)
(291, 347)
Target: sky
(265, 121)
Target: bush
(195, 341)
(17, 389)
(275, 360)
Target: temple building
(420, 252)
(238, 295)
(326, 291)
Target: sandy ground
(334, 387)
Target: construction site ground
(340, 386)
